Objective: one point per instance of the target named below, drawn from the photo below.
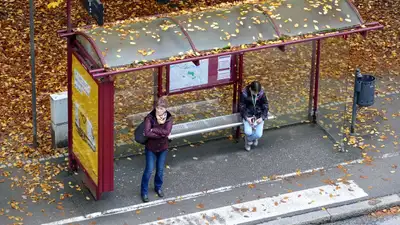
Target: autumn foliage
(377, 54)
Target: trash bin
(366, 90)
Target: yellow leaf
(54, 4)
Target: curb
(339, 213)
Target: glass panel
(297, 17)
(239, 25)
(285, 76)
(126, 43)
(335, 89)
(88, 47)
(133, 100)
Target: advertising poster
(85, 119)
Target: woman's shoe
(255, 143)
(145, 198)
(247, 144)
(160, 193)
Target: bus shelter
(212, 41)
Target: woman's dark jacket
(248, 109)
(157, 134)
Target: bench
(208, 125)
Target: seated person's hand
(250, 120)
(259, 120)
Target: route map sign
(186, 75)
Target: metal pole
(32, 43)
(240, 84)
(312, 75)
(316, 87)
(355, 97)
(155, 86)
(71, 161)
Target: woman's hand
(259, 120)
(250, 120)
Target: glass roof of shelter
(130, 42)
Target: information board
(85, 119)
(210, 72)
(185, 75)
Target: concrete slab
(317, 217)
(347, 211)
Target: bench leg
(237, 135)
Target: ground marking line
(262, 209)
(200, 194)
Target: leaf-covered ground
(377, 54)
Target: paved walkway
(295, 161)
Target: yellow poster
(85, 118)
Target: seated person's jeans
(159, 158)
(253, 134)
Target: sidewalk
(219, 174)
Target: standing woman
(254, 110)
(157, 128)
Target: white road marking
(269, 207)
(177, 199)
(198, 194)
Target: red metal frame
(240, 86)
(108, 73)
(106, 138)
(235, 85)
(316, 86)
(312, 75)
(167, 71)
(159, 81)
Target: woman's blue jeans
(159, 159)
(253, 134)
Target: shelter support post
(240, 86)
(316, 85)
(71, 161)
(155, 85)
(235, 88)
(106, 138)
(312, 75)
(159, 81)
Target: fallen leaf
(251, 185)
(200, 206)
